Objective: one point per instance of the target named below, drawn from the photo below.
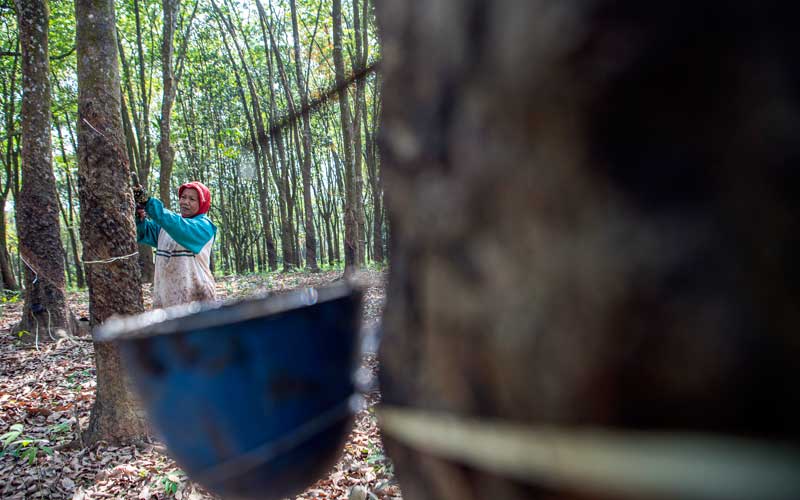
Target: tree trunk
(277, 162)
(45, 309)
(143, 132)
(9, 281)
(375, 181)
(107, 215)
(311, 235)
(582, 236)
(166, 153)
(7, 278)
(69, 219)
(358, 63)
(291, 202)
(145, 251)
(350, 222)
(261, 146)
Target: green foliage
(60, 428)
(172, 482)
(75, 379)
(10, 297)
(376, 458)
(14, 432)
(17, 445)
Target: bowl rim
(203, 315)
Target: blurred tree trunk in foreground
(594, 214)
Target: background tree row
(214, 90)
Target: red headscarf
(202, 192)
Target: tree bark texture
(39, 232)
(351, 260)
(375, 181)
(143, 132)
(311, 234)
(359, 61)
(7, 278)
(594, 220)
(261, 148)
(166, 153)
(107, 215)
(9, 281)
(146, 262)
(275, 146)
(69, 213)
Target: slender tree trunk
(291, 199)
(69, 219)
(311, 235)
(350, 221)
(358, 63)
(145, 251)
(375, 182)
(166, 153)
(45, 308)
(261, 149)
(107, 216)
(144, 130)
(129, 108)
(7, 278)
(9, 281)
(259, 157)
(280, 164)
(332, 244)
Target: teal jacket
(192, 233)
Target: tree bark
(7, 278)
(278, 162)
(375, 181)
(311, 234)
(166, 153)
(261, 146)
(259, 156)
(107, 215)
(358, 63)
(582, 236)
(143, 132)
(351, 262)
(45, 309)
(69, 216)
(9, 281)
(145, 251)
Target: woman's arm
(147, 232)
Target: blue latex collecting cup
(253, 399)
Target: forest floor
(50, 392)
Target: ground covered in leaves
(46, 395)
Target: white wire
(49, 331)
(36, 339)
(112, 259)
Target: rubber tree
(107, 216)
(40, 247)
(594, 225)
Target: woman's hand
(140, 195)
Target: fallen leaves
(50, 392)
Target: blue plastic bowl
(253, 399)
